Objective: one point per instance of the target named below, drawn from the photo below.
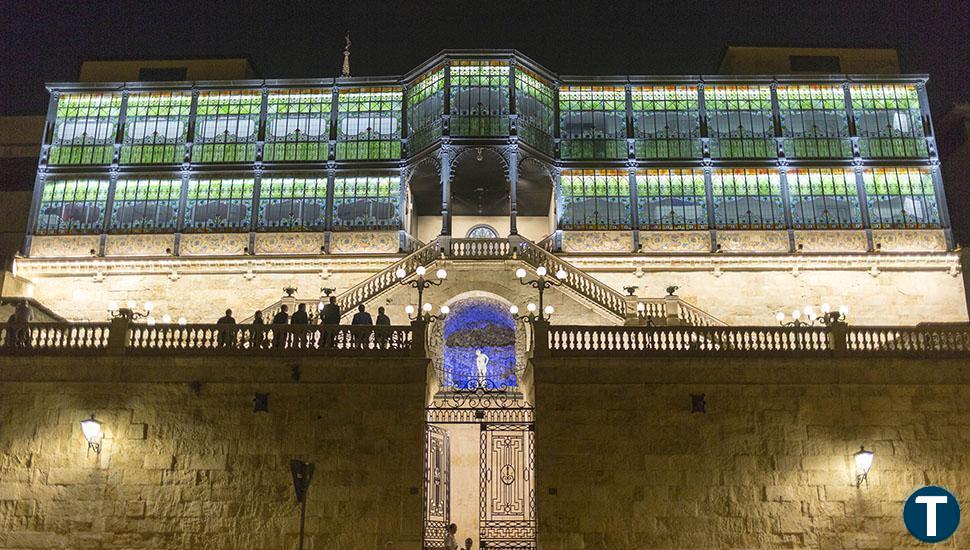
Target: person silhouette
(481, 365)
(450, 543)
(282, 317)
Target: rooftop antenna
(346, 70)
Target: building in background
(740, 60)
(666, 225)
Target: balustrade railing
(479, 249)
(386, 278)
(719, 340)
(133, 338)
(576, 279)
(69, 337)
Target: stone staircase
(578, 283)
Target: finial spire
(346, 70)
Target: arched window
(482, 231)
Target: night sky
(46, 41)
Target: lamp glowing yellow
(441, 274)
(541, 271)
(844, 310)
(561, 274)
(183, 321)
(409, 309)
(91, 429)
(167, 319)
(112, 306)
(520, 273)
(514, 309)
(863, 463)
(780, 316)
(421, 270)
(641, 307)
(445, 310)
(549, 310)
(531, 307)
(426, 307)
(400, 273)
(149, 307)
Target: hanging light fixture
(91, 429)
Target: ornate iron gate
(508, 489)
(437, 487)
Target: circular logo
(931, 514)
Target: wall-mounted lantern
(863, 463)
(92, 433)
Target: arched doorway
(480, 446)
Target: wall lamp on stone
(863, 463)
(91, 429)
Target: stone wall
(622, 462)
(193, 466)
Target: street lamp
(420, 282)
(534, 314)
(425, 313)
(91, 429)
(129, 312)
(863, 463)
(807, 316)
(646, 320)
(541, 283)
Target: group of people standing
(329, 315)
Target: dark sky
(46, 41)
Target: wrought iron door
(508, 490)
(437, 487)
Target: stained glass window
(426, 104)
(146, 205)
(535, 108)
(292, 204)
(671, 199)
(156, 125)
(595, 200)
(901, 198)
(297, 125)
(219, 204)
(479, 98)
(366, 202)
(227, 125)
(369, 124)
(592, 122)
(824, 198)
(888, 120)
(814, 122)
(72, 206)
(666, 123)
(739, 121)
(748, 199)
(85, 129)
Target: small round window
(482, 232)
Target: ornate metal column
(512, 155)
(445, 152)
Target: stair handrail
(576, 279)
(386, 278)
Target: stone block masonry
(193, 466)
(622, 462)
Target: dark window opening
(815, 63)
(163, 74)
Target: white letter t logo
(931, 503)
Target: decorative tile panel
(753, 241)
(597, 241)
(909, 240)
(365, 242)
(831, 241)
(76, 246)
(139, 245)
(289, 243)
(214, 244)
(675, 241)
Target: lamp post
(302, 475)
(642, 317)
(424, 314)
(533, 315)
(129, 312)
(807, 316)
(420, 282)
(541, 283)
